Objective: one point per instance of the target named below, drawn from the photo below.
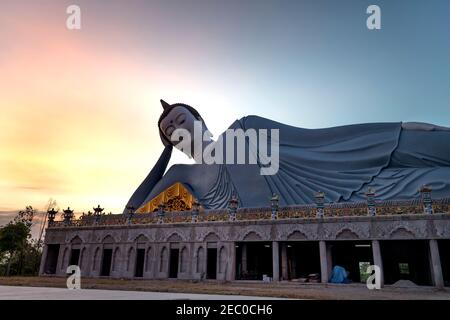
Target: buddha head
(178, 116)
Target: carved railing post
(130, 211)
(195, 211)
(232, 208)
(51, 216)
(97, 214)
(371, 205)
(319, 198)
(425, 192)
(161, 213)
(67, 215)
(274, 205)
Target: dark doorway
(52, 259)
(140, 258)
(211, 264)
(303, 259)
(74, 257)
(173, 269)
(444, 253)
(354, 256)
(406, 260)
(106, 262)
(253, 261)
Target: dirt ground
(248, 288)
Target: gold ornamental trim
(175, 198)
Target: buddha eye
(169, 130)
(181, 119)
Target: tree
(14, 238)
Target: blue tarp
(339, 275)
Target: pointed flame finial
(164, 104)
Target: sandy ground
(42, 293)
(243, 288)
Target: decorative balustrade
(349, 209)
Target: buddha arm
(151, 180)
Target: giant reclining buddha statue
(395, 159)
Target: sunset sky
(79, 108)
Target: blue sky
(96, 91)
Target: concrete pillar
(275, 261)
(323, 262)
(377, 260)
(435, 261)
(284, 262)
(244, 258)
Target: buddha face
(177, 118)
(180, 118)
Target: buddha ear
(164, 104)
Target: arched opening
(107, 255)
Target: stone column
(244, 258)
(205, 259)
(323, 262)
(62, 257)
(219, 267)
(43, 260)
(329, 260)
(275, 261)
(377, 260)
(284, 262)
(435, 262)
(231, 271)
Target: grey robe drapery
(340, 161)
(337, 161)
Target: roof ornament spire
(164, 104)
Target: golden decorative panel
(175, 198)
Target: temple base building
(408, 240)
(214, 220)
